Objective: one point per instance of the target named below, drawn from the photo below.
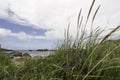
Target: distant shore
(3, 49)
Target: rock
(15, 55)
(19, 55)
(26, 55)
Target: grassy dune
(67, 64)
(83, 58)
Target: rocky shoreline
(18, 55)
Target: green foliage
(4, 60)
(66, 64)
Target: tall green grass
(83, 58)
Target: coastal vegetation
(90, 57)
(66, 64)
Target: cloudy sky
(34, 24)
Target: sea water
(35, 53)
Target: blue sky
(14, 27)
(14, 43)
(35, 24)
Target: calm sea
(35, 53)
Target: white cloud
(55, 14)
(24, 36)
(4, 32)
(3, 8)
(20, 35)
